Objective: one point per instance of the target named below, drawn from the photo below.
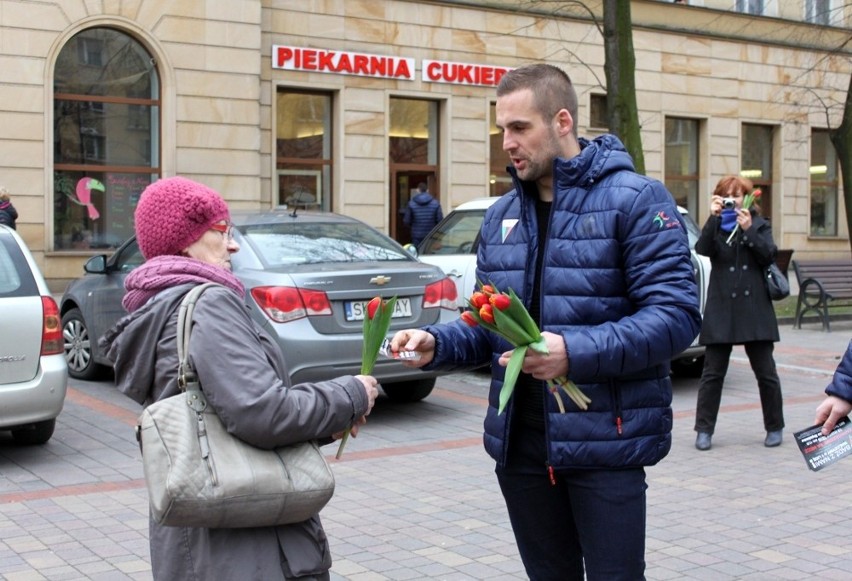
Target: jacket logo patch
(663, 220)
(506, 228)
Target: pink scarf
(163, 272)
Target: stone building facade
(347, 105)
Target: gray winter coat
(738, 308)
(243, 375)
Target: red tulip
(500, 301)
(478, 299)
(373, 307)
(757, 193)
(488, 289)
(468, 318)
(486, 314)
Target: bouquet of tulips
(377, 321)
(748, 200)
(505, 314)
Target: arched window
(106, 137)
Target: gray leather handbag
(199, 475)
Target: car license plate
(355, 309)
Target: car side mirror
(96, 264)
(411, 249)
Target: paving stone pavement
(416, 495)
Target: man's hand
(830, 411)
(541, 366)
(414, 340)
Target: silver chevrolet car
(308, 277)
(33, 373)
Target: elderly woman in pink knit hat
(184, 232)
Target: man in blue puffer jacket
(599, 256)
(422, 214)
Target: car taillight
(51, 333)
(441, 294)
(283, 304)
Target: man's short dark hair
(551, 86)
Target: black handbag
(776, 283)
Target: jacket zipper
(616, 408)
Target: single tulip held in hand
(377, 321)
(748, 200)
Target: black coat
(738, 308)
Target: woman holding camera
(738, 311)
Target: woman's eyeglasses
(227, 230)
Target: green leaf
(521, 315)
(510, 329)
(513, 369)
(540, 346)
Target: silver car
(453, 243)
(308, 277)
(33, 374)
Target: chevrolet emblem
(380, 280)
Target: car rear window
(318, 243)
(16, 280)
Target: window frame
(95, 143)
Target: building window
(598, 112)
(499, 181)
(413, 131)
(821, 12)
(106, 146)
(750, 7)
(682, 162)
(823, 185)
(303, 153)
(756, 162)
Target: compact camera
(728, 203)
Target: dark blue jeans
(590, 520)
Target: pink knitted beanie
(175, 212)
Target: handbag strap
(187, 378)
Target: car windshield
(455, 235)
(318, 243)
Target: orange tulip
(468, 318)
(486, 314)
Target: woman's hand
(354, 430)
(744, 219)
(370, 386)
(716, 205)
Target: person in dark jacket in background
(183, 231)
(738, 310)
(422, 214)
(600, 258)
(8, 213)
(839, 401)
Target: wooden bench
(823, 284)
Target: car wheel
(409, 391)
(38, 433)
(78, 346)
(688, 367)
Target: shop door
(404, 183)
